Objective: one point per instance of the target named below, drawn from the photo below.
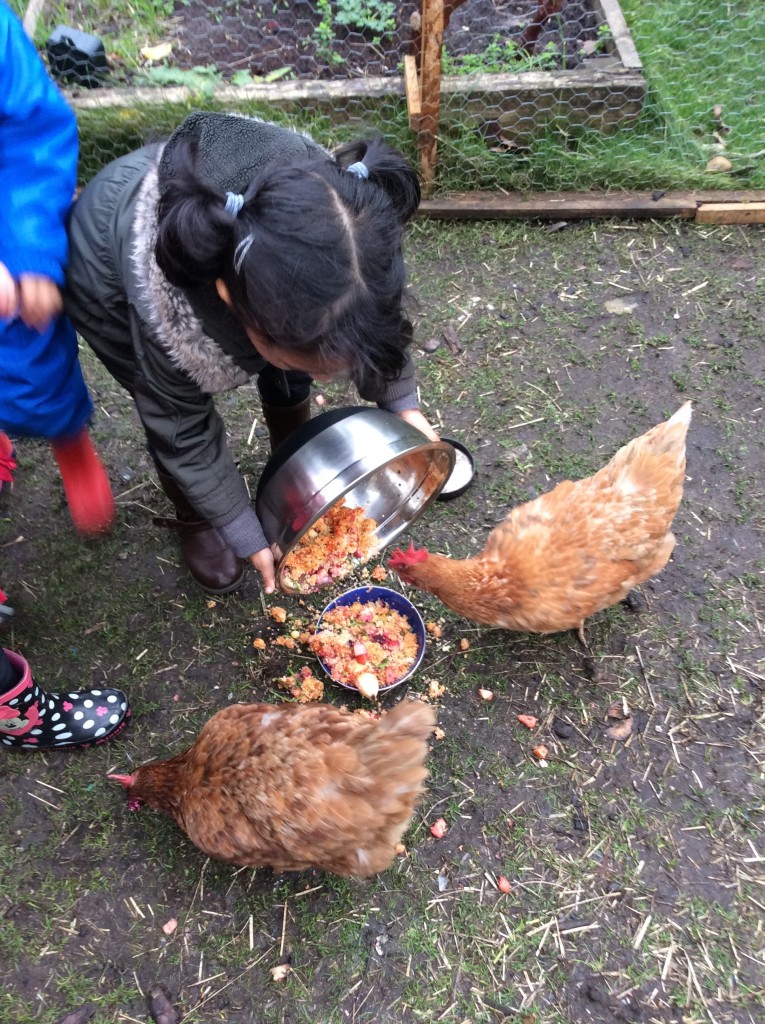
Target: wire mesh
(535, 94)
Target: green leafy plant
(500, 56)
(200, 79)
(324, 33)
(371, 15)
(591, 47)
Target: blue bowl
(395, 601)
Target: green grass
(605, 837)
(695, 55)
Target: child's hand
(263, 561)
(9, 296)
(39, 301)
(416, 419)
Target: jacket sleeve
(38, 158)
(393, 396)
(188, 438)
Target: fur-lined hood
(176, 326)
(230, 150)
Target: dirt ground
(636, 866)
(281, 35)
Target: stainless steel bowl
(373, 459)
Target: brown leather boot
(283, 420)
(209, 559)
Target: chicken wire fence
(530, 94)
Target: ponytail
(194, 224)
(388, 169)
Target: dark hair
(313, 259)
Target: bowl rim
(300, 437)
(385, 590)
(443, 494)
(307, 433)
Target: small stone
(621, 306)
(635, 601)
(719, 165)
(431, 345)
(592, 670)
(563, 730)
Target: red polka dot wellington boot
(34, 719)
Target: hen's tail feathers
(662, 445)
(410, 718)
(670, 436)
(394, 752)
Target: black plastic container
(76, 58)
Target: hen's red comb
(400, 559)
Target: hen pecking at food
(294, 786)
(574, 551)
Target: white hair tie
(234, 203)
(360, 169)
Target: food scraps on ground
(169, 926)
(485, 694)
(336, 544)
(540, 752)
(503, 885)
(434, 629)
(280, 972)
(366, 645)
(435, 689)
(439, 733)
(464, 643)
(278, 614)
(439, 828)
(259, 643)
(302, 685)
(621, 731)
(528, 720)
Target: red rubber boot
(88, 492)
(7, 460)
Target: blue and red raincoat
(42, 391)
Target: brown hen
(294, 786)
(573, 551)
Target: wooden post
(430, 90)
(412, 85)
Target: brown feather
(577, 549)
(296, 786)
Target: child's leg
(45, 396)
(285, 397)
(86, 484)
(7, 460)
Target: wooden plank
(32, 15)
(612, 15)
(557, 206)
(413, 105)
(584, 205)
(731, 213)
